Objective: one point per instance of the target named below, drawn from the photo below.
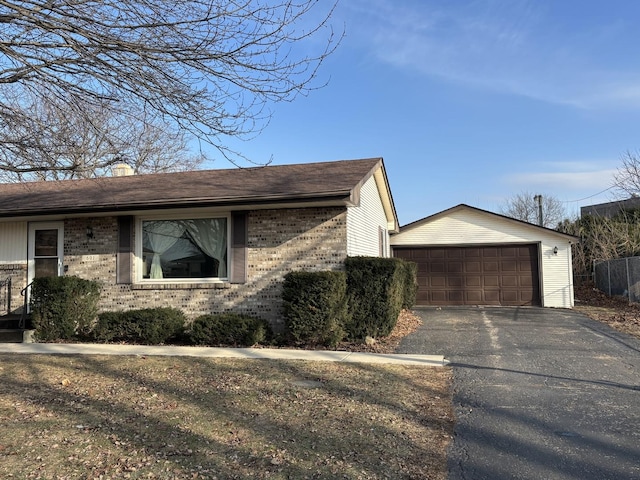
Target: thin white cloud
(570, 185)
(579, 166)
(505, 46)
(574, 181)
(618, 95)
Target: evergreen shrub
(315, 306)
(150, 326)
(410, 283)
(228, 329)
(376, 293)
(63, 308)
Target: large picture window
(184, 249)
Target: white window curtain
(161, 236)
(210, 234)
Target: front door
(45, 249)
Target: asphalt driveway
(538, 393)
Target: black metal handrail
(23, 317)
(6, 283)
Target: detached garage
(468, 256)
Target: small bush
(315, 306)
(151, 326)
(63, 308)
(375, 290)
(410, 283)
(228, 329)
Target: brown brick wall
(18, 275)
(279, 241)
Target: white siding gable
(13, 243)
(467, 227)
(365, 221)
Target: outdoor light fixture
(89, 232)
(555, 250)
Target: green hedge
(151, 326)
(63, 307)
(410, 283)
(376, 290)
(315, 306)
(228, 329)
(323, 308)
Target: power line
(616, 184)
(590, 196)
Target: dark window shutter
(239, 239)
(124, 260)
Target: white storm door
(45, 249)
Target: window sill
(180, 286)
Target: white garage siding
(367, 224)
(13, 243)
(465, 225)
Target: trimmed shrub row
(228, 329)
(366, 300)
(66, 308)
(320, 308)
(154, 326)
(151, 326)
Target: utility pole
(538, 198)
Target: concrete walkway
(214, 352)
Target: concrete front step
(15, 335)
(12, 322)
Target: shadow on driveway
(538, 393)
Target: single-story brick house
(469, 256)
(203, 241)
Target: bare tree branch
(76, 139)
(210, 67)
(603, 238)
(627, 177)
(523, 206)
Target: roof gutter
(336, 198)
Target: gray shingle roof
(237, 186)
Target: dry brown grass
(407, 323)
(616, 312)
(100, 417)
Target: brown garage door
(488, 275)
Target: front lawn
(101, 417)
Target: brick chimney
(121, 170)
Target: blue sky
(472, 101)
